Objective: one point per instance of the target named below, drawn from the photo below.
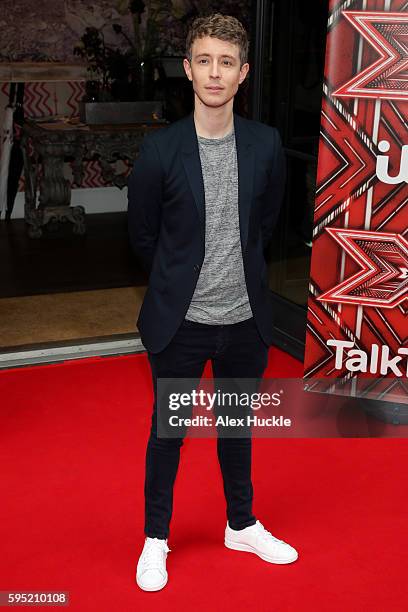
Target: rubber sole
(247, 548)
(149, 589)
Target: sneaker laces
(152, 554)
(266, 535)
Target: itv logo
(383, 162)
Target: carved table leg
(30, 191)
(55, 196)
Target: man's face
(215, 70)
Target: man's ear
(187, 69)
(243, 72)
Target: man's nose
(214, 69)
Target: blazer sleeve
(276, 190)
(144, 203)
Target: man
(204, 196)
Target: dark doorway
(287, 77)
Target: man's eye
(228, 62)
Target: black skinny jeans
(236, 350)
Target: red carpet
(73, 442)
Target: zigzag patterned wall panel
(357, 311)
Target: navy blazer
(166, 221)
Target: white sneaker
(151, 574)
(258, 540)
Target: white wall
(95, 200)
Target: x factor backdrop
(358, 302)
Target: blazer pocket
(158, 284)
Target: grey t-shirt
(220, 296)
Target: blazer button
(196, 267)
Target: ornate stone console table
(49, 144)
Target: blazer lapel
(246, 166)
(192, 165)
(246, 172)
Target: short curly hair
(224, 27)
